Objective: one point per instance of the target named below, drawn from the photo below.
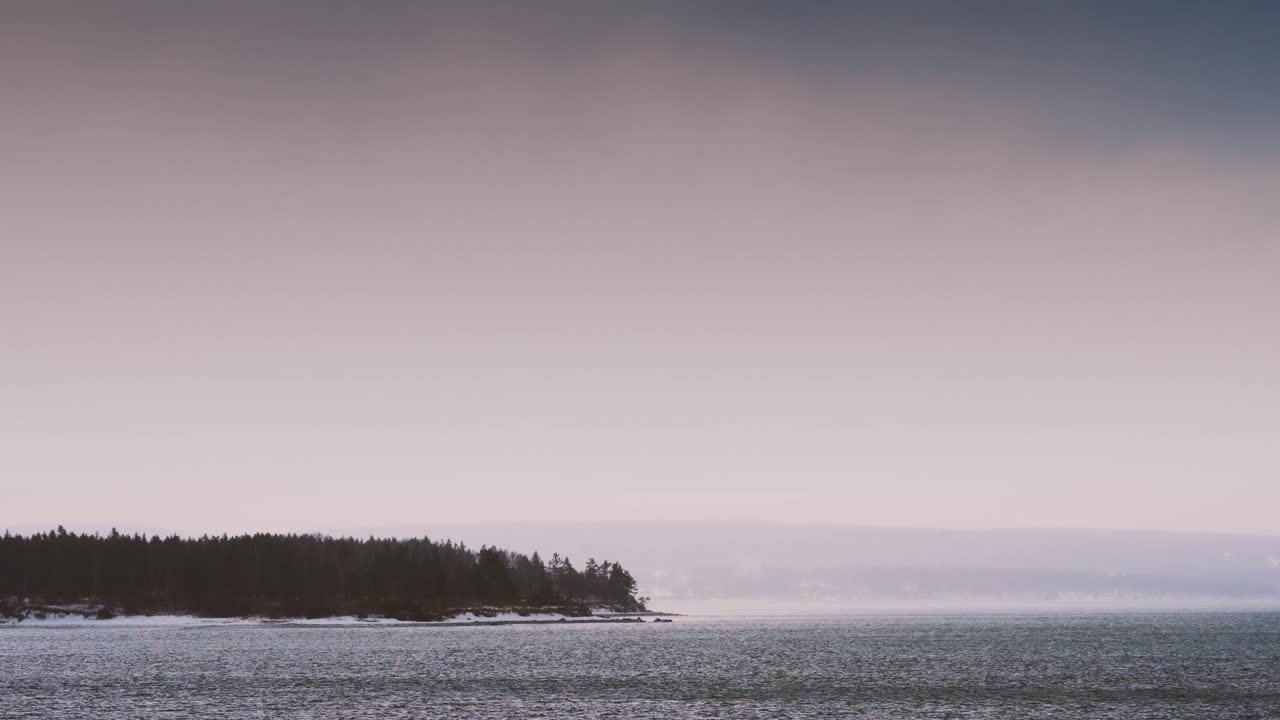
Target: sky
(287, 265)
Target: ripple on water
(1127, 666)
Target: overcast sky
(293, 265)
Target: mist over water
(750, 567)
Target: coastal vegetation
(277, 575)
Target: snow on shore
(77, 619)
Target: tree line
(296, 575)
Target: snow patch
(74, 620)
(468, 618)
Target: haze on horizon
(326, 265)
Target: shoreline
(48, 616)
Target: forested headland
(276, 575)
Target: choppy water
(1166, 666)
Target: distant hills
(808, 565)
(757, 565)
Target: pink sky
(476, 280)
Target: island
(271, 576)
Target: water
(1124, 666)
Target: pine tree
(289, 574)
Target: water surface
(1121, 666)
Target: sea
(1197, 665)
